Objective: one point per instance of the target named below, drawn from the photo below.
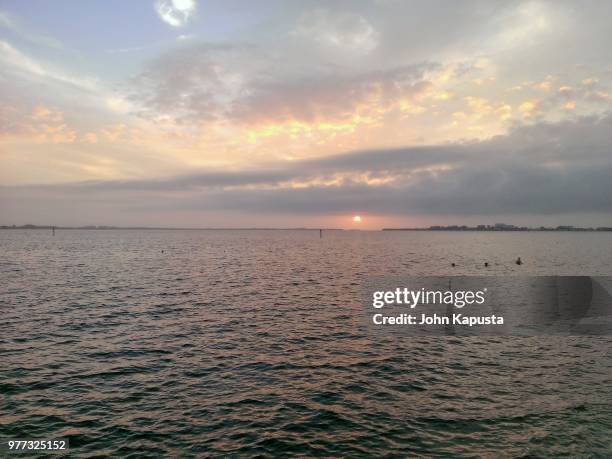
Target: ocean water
(213, 343)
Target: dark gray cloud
(543, 169)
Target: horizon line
(433, 228)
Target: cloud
(9, 120)
(47, 125)
(567, 95)
(242, 83)
(193, 82)
(314, 77)
(529, 108)
(17, 63)
(9, 22)
(30, 82)
(542, 169)
(346, 31)
(331, 98)
(176, 12)
(307, 80)
(42, 125)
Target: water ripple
(250, 343)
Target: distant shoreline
(512, 229)
(90, 227)
(508, 228)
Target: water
(251, 342)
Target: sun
(357, 219)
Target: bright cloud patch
(175, 12)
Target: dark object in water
(453, 265)
(486, 264)
(519, 261)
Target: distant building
(503, 226)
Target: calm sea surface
(209, 343)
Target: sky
(186, 113)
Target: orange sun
(357, 219)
